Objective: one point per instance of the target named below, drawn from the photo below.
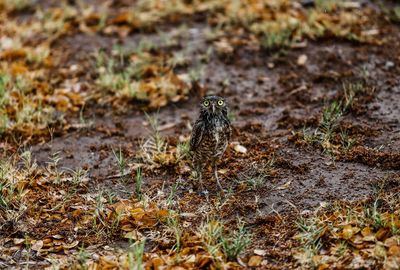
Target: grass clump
(135, 255)
(173, 224)
(155, 149)
(235, 243)
(277, 40)
(121, 164)
(14, 180)
(138, 74)
(138, 183)
(217, 240)
(17, 5)
(10, 192)
(310, 234)
(20, 109)
(327, 134)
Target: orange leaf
(366, 231)
(381, 234)
(157, 262)
(254, 261)
(394, 251)
(349, 231)
(18, 68)
(13, 54)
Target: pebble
(306, 213)
(240, 148)
(389, 64)
(301, 61)
(260, 252)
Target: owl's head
(214, 105)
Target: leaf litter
(52, 217)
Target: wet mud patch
(136, 179)
(265, 95)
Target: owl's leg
(198, 167)
(215, 171)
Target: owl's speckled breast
(215, 139)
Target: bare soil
(272, 99)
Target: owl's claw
(199, 179)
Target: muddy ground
(269, 105)
(272, 100)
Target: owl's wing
(229, 132)
(197, 135)
(228, 129)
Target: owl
(210, 135)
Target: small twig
(118, 175)
(166, 126)
(298, 89)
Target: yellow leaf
(379, 251)
(366, 231)
(157, 263)
(137, 213)
(349, 231)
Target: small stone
(260, 252)
(240, 149)
(389, 64)
(73, 67)
(301, 61)
(323, 204)
(306, 213)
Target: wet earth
(272, 99)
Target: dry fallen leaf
(37, 245)
(394, 251)
(254, 261)
(134, 235)
(392, 241)
(379, 251)
(71, 245)
(223, 46)
(349, 231)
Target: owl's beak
(213, 108)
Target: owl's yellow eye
(206, 103)
(220, 102)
